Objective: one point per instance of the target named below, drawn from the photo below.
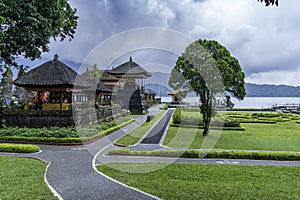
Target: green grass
(200, 181)
(244, 117)
(23, 178)
(19, 148)
(282, 136)
(135, 135)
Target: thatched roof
(102, 88)
(149, 91)
(51, 74)
(96, 84)
(105, 76)
(130, 69)
(174, 92)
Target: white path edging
(48, 184)
(94, 167)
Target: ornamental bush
(19, 148)
(177, 116)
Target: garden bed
(62, 135)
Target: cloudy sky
(265, 40)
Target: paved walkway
(72, 171)
(73, 176)
(155, 134)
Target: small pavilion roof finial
(55, 57)
(130, 59)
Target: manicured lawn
(135, 135)
(284, 136)
(23, 178)
(198, 181)
(280, 136)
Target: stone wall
(60, 118)
(37, 118)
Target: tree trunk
(206, 121)
(207, 112)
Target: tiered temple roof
(130, 69)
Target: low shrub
(165, 107)
(176, 119)
(267, 114)
(253, 155)
(41, 139)
(19, 148)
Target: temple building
(127, 85)
(131, 86)
(55, 86)
(54, 83)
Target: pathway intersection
(71, 173)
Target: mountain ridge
(159, 83)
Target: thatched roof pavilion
(51, 76)
(54, 77)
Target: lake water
(248, 102)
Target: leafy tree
(269, 2)
(209, 69)
(175, 82)
(28, 25)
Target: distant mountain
(160, 80)
(254, 90)
(160, 90)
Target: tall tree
(209, 69)
(269, 2)
(28, 25)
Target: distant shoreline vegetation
(255, 90)
(252, 90)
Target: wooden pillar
(39, 99)
(61, 100)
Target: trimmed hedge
(179, 119)
(251, 155)
(70, 140)
(211, 127)
(19, 148)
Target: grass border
(227, 154)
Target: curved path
(72, 174)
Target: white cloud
(276, 77)
(266, 40)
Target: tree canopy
(28, 25)
(208, 69)
(270, 2)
